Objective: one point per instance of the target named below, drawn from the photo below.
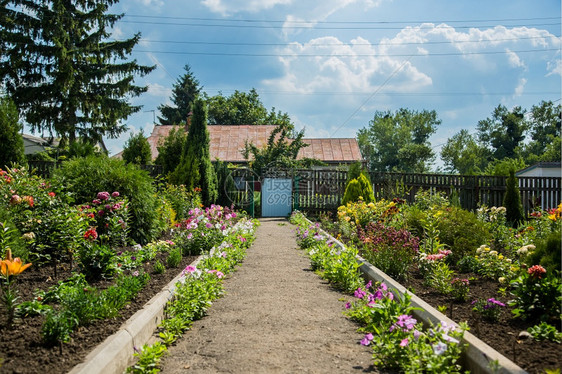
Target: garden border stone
(115, 354)
(478, 354)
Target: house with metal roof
(541, 169)
(227, 144)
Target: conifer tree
(63, 72)
(195, 168)
(12, 148)
(185, 91)
(512, 201)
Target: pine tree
(195, 168)
(63, 72)
(184, 92)
(512, 201)
(12, 149)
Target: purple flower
(208, 225)
(494, 301)
(359, 293)
(348, 305)
(417, 334)
(367, 339)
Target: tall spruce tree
(185, 91)
(12, 149)
(195, 168)
(63, 72)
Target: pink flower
(348, 305)
(115, 194)
(189, 269)
(404, 342)
(103, 195)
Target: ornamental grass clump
(391, 250)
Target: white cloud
(226, 8)
(514, 60)
(152, 3)
(328, 64)
(520, 87)
(155, 89)
(554, 67)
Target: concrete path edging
(115, 354)
(476, 357)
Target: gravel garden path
(277, 317)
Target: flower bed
(83, 275)
(510, 304)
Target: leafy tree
(282, 149)
(504, 133)
(195, 169)
(170, 149)
(243, 109)
(399, 141)
(184, 92)
(63, 72)
(12, 149)
(463, 155)
(544, 131)
(137, 150)
(512, 201)
(502, 167)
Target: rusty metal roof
(227, 143)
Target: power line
(319, 28)
(308, 22)
(343, 44)
(239, 54)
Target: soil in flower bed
(21, 347)
(531, 355)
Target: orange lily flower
(14, 267)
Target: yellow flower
(500, 257)
(14, 267)
(487, 249)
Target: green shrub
(96, 261)
(462, 232)
(85, 177)
(174, 258)
(547, 252)
(352, 192)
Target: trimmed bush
(83, 178)
(512, 201)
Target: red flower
(51, 194)
(536, 271)
(91, 234)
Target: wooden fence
(319, 191)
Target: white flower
(439, 348)
(523, 250)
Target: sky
(332, 64)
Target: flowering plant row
(399, 341)
(200, 284)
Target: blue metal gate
(276, 197)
